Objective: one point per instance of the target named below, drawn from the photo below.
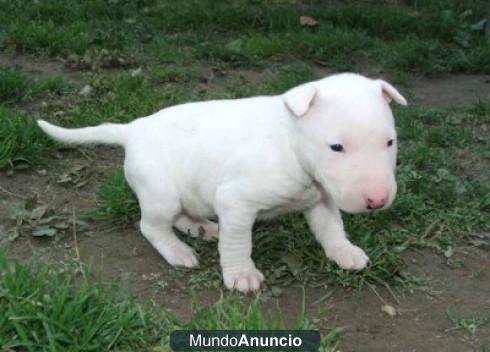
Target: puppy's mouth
(369, 207)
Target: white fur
(239, 160)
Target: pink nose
(375, 201)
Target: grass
(420, 36)
(438, 202)
(116, 98)
(22, 141)
(343, 47)
(47, 308)
(16, 87)
(469, 323)
(118, 201)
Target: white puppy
(321, 147)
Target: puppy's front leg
(326, 224)
(235, 249)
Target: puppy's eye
(337, 147)
(390, 143)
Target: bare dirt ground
(451, 90)
(119, 251)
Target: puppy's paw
(209, 231)
(244, 280)
(180, 254)
(348, 256)
(206, 228)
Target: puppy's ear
(390, 93)
(299, 99)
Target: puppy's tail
(107, 133)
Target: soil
(455, 90)
(461, 284)
(39, 68)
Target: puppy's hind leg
(205, 228)
(156, 226)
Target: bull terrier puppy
(319, 148)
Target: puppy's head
(346, 138)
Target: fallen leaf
(62, 225)
(308, 21)
(38, 212)
(47, 220)
(65, 178)
(81, 184)
(81, 225)
(44, 231)
(76, 176)
(76, 169)
(137, 72)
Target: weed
(468, 323)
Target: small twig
(325, 297)
(85, 154)
(10, 193)
(429, 228)
(392, 293)
(453, 328)
(377, 294)
(408, 310)
(77, 252)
